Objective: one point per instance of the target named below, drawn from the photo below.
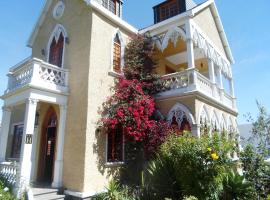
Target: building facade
(52, 102)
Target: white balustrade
(175, 81)
(38, 73)
(205, 85)
(191, 80)
(9, 171)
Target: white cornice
(123, 24)
(38, 24)
(91, 3)
(214, 10)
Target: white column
(58, 166)
(211, 70)
(4, 132)
(26, 149)
(220, 78)
(190, 54)
(232, 88)
(196, 131)
(189, 43)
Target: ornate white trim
(223, 123)
(58, 10)
(210, 51)
(215, 120)
(204, 114)
(172, 34)
(179, 111)
(58, 29)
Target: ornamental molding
(58, 10)
(6, 109)
(179, 111)
(210, 51)
(31, 101)
(58, 29)
(172, 34)
(204, 115)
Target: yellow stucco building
(51, 104)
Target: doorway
(47, 147)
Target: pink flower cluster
(131, 108)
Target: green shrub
(236, 187)
(5, 191)
(115, 192)
(188, 165)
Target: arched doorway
(47, 147)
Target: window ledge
(114, 164)
(115, 74)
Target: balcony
(191, 81)
(35, 73)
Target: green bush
(236, 187)
(115, 192)
(188, 165)
(5, 192)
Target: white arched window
(56, 46)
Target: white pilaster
(4, 132)
(220, 78)
(211, 70)
(189, 43)
(232, 88)
(196, 131)
(26, 149)
(190, 54)
(58, 166)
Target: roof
(192, 10)
(91, 3)
(214, 10)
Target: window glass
(115, 145)
(17, 141)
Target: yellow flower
(214, 156)
(209, 149)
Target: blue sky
(246, 24)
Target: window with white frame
(115, 145)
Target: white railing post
(58, 166)
(4, 132)
(66, 78)
(35, 73)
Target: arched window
(56, 51)
(115, 145)
(117, 54)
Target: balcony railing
(190, 81)
(10, 171)
(39, 74)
